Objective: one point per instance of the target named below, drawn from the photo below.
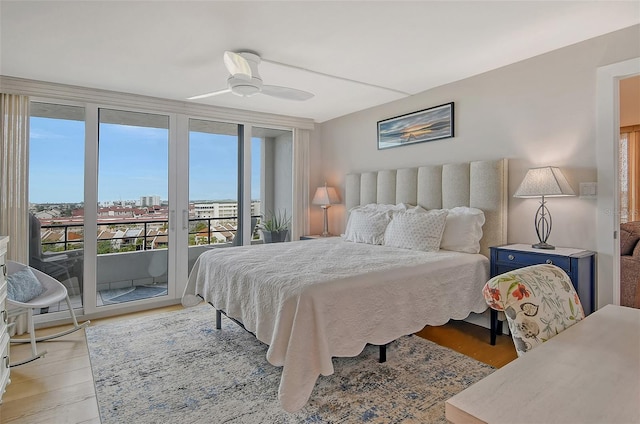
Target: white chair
(54, 292)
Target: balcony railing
(131, 224)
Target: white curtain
(14, 183)
(300, 223)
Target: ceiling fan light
(237, 65)
(245, 90)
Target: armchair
(539, 302)
(52, 292)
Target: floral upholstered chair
(539, 302)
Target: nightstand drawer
(522, 259)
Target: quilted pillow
(463, 230)
(416, 231)
(382, 207)
(22, 286)
(366, 226)
(539, 302)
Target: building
(222, 210)
(149, 201)
(216, 210)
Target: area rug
(175, 367)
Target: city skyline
(56, 175)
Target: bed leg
(218, 320)
(383, 353)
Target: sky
(132, 162)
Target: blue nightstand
(579, 264)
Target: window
(629, 173)
(213, 182)
(149, 170)
(56, 195)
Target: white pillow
(416, 231)
(416, 209)
(22, 286)
(366, 226)
(463, 230)
(381, 207)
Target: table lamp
(325, 197)
(543, 182)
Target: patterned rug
(176, 367)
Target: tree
(104, 247)
(200, 226)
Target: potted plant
(275, 227)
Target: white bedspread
(315, 299)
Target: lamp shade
(325, 196)
(547, 181)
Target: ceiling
(174, 49)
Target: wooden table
(589, 373)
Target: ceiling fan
(245, 80)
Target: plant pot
(274, 236)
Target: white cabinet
(4, 335)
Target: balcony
(132, 255)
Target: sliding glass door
(133, 206)
(214, 213)
(123, 202)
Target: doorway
(629, 191)
(607, 136)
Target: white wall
(541, 111)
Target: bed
(313, 300)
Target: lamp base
(325, 228)
(543, 245)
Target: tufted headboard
(478, 184)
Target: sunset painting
(425, 125)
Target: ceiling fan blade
(286, 92)
(215, 93)
(237, 65)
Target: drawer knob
(549, 261)
(6, 362)
(4, 269)
(5, 316)
(511, 257)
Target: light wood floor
(59, 387)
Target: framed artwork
(425, 125)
